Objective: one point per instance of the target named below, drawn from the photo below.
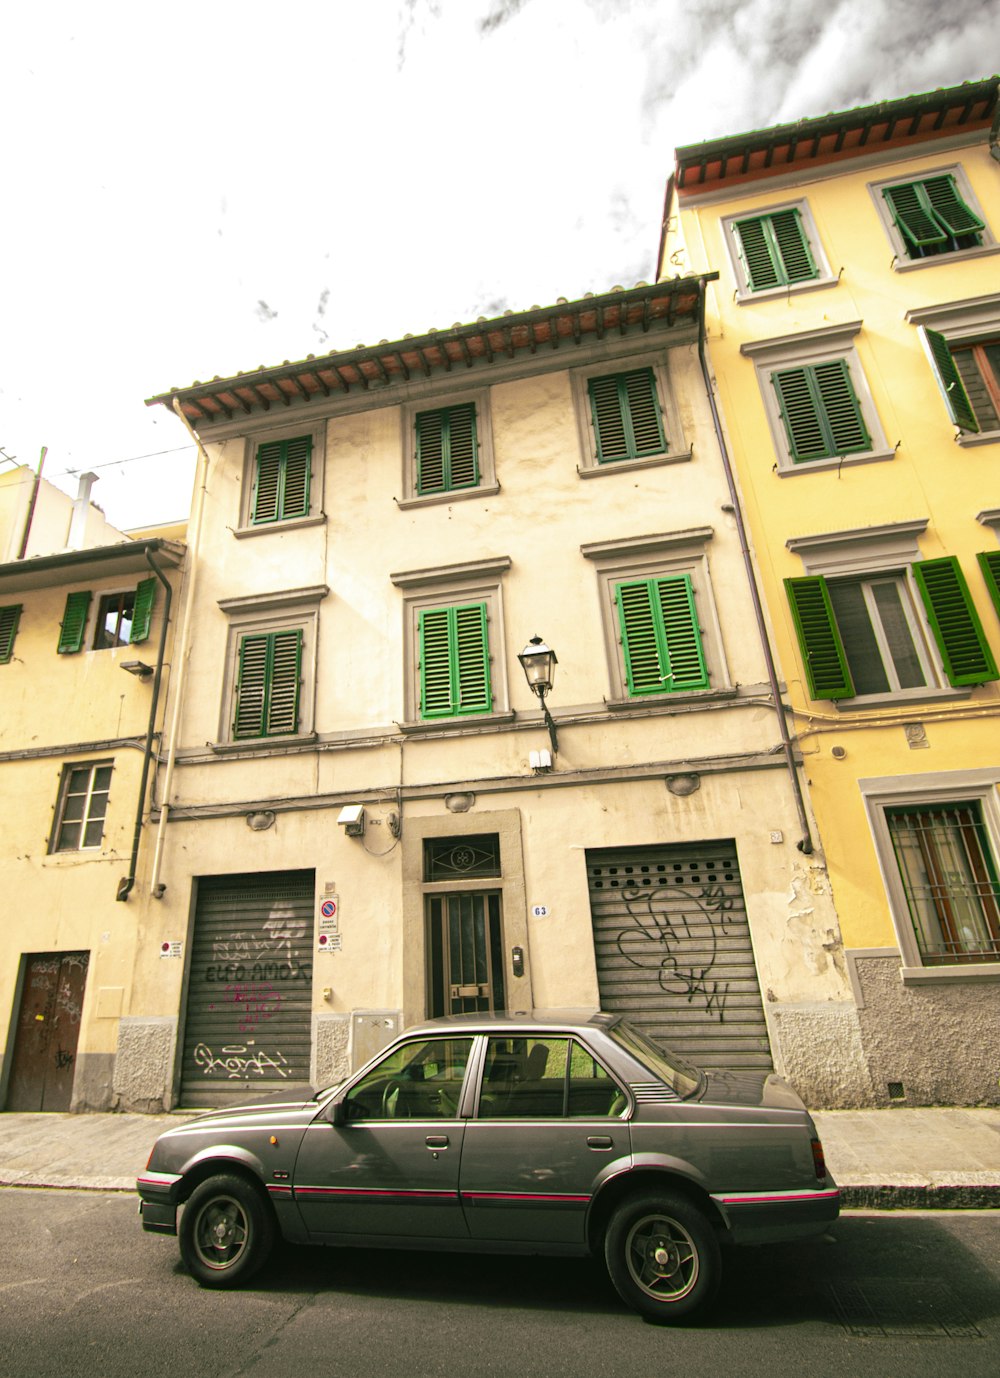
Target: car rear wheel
(227, 1231)
(663, 1257)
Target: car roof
(501, 1021)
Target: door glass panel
(420, 1080)
(860, 643)
(898, 635)
(464, 953)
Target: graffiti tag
(260, 1001)
(670, 922)
(238, 1060)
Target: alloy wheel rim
(662, 1258)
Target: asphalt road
(84, 1291)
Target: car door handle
(436, 1141)
(602, 1142)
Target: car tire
(663, 1257)
(227, 1231)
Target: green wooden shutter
(9, 618)
(660, 636)
(954, 621)
(283, 686)
(472, 658)
(251, 686)
(949, 208)
(756, 251)
(268, 482)
(296, 476)
(820, 411)
(430, 452)
(848, 432)
(454, 661)
(644, 416)
(142, 614)
(74, 623)
(447, 449)
(267, 687)
(989, 563)
(774, 249)
(913, 216)
(682, 635)
(463, 457)
(626, 415)
(435, 664)
(827, 672)
(797, 261)
(956, 399)
(281, 487)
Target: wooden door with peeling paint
(48, 1030)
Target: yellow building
(367, 816)
(80, 603)
(854, 332)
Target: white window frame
(292, 610)
(744, 293)
(826, 345)
(652, 557)
(614, 362)
(441, 586)
(94, 626)
(901, 262)
(962, 323)
(58, 818)
(487, 485)
(316, 430)
(930, 791)
(872, 553)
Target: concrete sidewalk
(894, 1159)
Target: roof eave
(483, 342)
(124, 557)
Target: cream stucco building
(854, 331)
(80, 603)
(363, 816)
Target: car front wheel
(663, 1257)
(227, 1231)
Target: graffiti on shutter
(673, 950)
(249, 1002)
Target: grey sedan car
(559, 1132)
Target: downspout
(181, 655)
(125, 885)
(805, 843)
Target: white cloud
(406, 162)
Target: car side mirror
(337, 1113)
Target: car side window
(421, 1080)
(545, 1078)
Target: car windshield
(679, 1075)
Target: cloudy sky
(198, 188)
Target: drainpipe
(805, 843)
(125, 885)
(181, 650)
(31, 502)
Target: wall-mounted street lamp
(538, 662)
(139, 668)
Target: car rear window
(679, 1075)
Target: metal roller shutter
(673, 950)
(249, 1004)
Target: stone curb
(959, 1197)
